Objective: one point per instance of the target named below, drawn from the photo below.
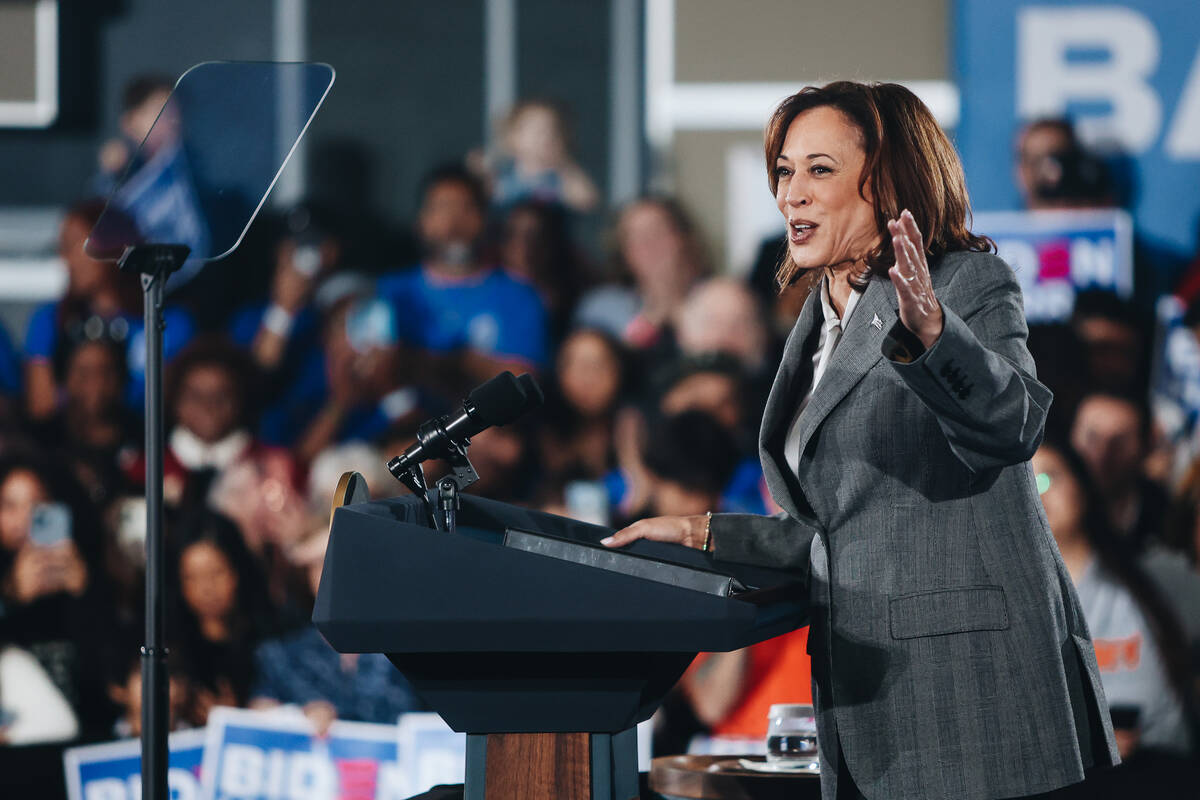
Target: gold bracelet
(707, 548)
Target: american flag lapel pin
(877, 323)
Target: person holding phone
(54, 601)
(950, 657)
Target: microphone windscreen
(533, 393)
(499, 401)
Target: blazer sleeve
(978, 378)
(776, 541)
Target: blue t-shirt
(10, 364)
(41, 339)
(491, 312)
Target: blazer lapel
(858, 351)
(795, 371)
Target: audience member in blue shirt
(454, 304)
(100, 302)
(283, 334)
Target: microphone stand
(155, 263)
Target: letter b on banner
(1056, 66)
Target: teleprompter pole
(154, 263)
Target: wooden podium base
(552, 766)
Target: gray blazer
(950, 655)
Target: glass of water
(792, 736)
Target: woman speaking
(950, 658)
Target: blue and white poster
(1127, 73)
(255, 755)
(1057, 254)
(113, 771)
(430, 751)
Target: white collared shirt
(830, 335)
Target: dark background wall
(409, 91)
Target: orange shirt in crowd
(779, 672)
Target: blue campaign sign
(1127, 73)
(252, 755)
(113, 771)
(1056, 254)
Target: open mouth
(801, 231)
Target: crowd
(335, 342)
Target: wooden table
(723, 778)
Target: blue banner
(113, 771)
(251, 755)
(1127, 73)
(1056, 254)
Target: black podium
(547, 662)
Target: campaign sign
(1176, 375)
(1056, 254)
(113, 771)
(431, 752)
(1126, 71)
(255, 755)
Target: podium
(546, 663)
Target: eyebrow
(811, 156)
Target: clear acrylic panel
(216, 149)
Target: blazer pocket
(951, 610)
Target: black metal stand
(155, 263)
(442, 508)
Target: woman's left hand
(920, 310)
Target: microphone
(498, 401)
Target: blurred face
(1061, 494)
(723, 317)
(588, 374)
(1034, 149)
(829, 224)
(1108, 437)
(1113, 351)
(450, 222)
(93, 380)
(19, 493)
(207, 404)
(653, 246)
(85, 275)
(207, 580)
(711, 392)
(137, 122)
(522, 231)
(534, 139)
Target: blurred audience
(657, 257)
(476, 319)
(1140, 648)
(100, 303)
(534, 161)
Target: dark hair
(1121, 558)
(454, 172)
(557, 271)
(1108, 305)
(1060, 124)
(139, 89)
(910, 163)
(250, 620)
(1140, 405)
(62, 487)
(216, 351)
(692, 449)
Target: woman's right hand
(687, 531)
(33, 574)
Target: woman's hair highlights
(909, 164)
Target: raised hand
(920, 310)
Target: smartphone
(587, 501)
(50, 524)
(371, 324)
